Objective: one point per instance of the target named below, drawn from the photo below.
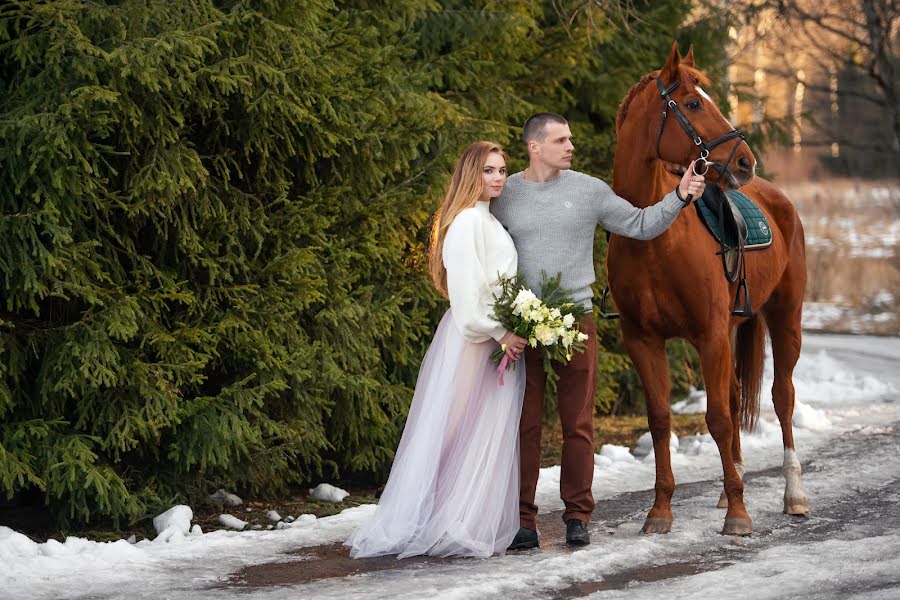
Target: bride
(454, 485)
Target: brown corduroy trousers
(576, 408)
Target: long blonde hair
(466, 187)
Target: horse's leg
(715, 359)
(784, 331)
(649, 357)
(734, 397)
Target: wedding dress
(453, 489)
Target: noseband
(705, 147)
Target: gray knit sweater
(552, 224)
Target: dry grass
(846, 222)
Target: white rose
(547, 336)
(523, 297)
(569, 320)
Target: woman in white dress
(454, 485)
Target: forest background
(214, 216)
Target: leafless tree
(860, 35)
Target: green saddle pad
(759, 235)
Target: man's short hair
(534, 126)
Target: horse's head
(672, 119)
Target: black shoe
(525, 539)
(577, 533)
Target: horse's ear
(688, 59)
(669, 72)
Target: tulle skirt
(454, 485)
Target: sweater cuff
(673, 200)
(498, 333)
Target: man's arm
(617, 215)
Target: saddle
(739, 226)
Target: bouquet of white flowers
(550, 323)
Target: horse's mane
(688, 76)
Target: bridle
(705, 147)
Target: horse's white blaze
(794, 494)
(703, 93)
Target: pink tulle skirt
(454, 485)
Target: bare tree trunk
(878, 25)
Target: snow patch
(231, 522)
(328, 493)
(694, 403)
(223, 498)
(613, 453)
(644, 445)
(807, 417)
(178, 518)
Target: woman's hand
(692, 184)
(513, 345)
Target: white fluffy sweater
(477, 251)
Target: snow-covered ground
(847, 396)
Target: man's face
(556, 149)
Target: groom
(551, 212)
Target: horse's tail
(749, 356)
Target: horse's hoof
(737, 526)
(657, 525)
(796, 506)
(723, 501)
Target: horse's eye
(693, 104)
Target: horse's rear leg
(715, 359)
(784, 331)
(649, 357)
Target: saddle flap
(715, 211)
(737, 217)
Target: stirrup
(607, 316)
(745, 310)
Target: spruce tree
(213, 223)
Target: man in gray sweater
(552, 213)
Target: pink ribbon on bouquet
(501, 368)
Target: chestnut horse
(674, 285)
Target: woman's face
(493, 175)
